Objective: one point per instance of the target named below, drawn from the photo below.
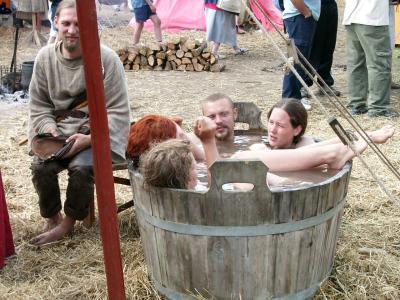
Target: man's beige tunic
(57, 81)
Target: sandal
(241, 51)
(219, 56)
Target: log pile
(179, 54)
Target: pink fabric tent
(178, 15)
(270, 10)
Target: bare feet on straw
(380, 136)
(53, 222)
(55, 234)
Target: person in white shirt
(369, 57)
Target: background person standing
(369, 57)
(300, 18)
(144, 10)
(324, 44)
(221, 28)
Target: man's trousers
(324, 42)
(369, 61)
(302, 30)
(80, 189)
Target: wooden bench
(89, 220)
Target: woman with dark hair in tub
(287, 123)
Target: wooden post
(87, 18)
(35, 36)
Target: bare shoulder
(305, 140)
(193, 138)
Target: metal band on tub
(255, 230)
(175, 295)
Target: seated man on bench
(57, 82)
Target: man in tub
(219, 108)
(287, 123)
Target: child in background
(144, 10)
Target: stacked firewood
(179, 54)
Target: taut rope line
(335, 101)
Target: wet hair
(147, 131)
(216, 97)
(297, 114)
(167, 164)
(65, 4)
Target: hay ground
(73, 268)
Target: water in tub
(277, 180)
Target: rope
(261, 9)
(347, 116)
(333, 100)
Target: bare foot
(380, 136)
(55, 234)
(53, 222)
(345, 154)
(239, 30)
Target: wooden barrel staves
(253, 244)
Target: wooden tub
(256, 244)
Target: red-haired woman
(153, 129)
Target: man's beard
(71, 47)
(222, 136)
